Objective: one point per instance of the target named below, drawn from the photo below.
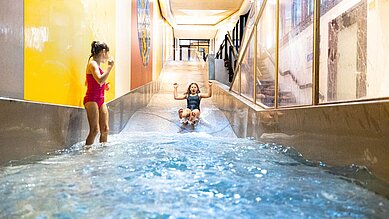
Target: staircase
(265, 87)
(229, 51)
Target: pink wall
(140, 74)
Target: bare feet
(183, 120)
(87, 147)
(180, 110)
(193, 118)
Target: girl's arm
(209, 94)
(176, 95)
(100, 78)
(107, 86)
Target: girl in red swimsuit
(96, 110)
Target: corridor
(161, 113)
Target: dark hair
(97, 47)
(188, 91)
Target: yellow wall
(162, 41)
(58, 34)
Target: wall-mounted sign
(144, 29)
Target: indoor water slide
(161, 114)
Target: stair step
(264, 82)
(265, 92)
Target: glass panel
(247, 71)
(184, 54)
(248, 29)
(193, 54)
(177, 53)
(235, 86)
(295, 52)
(184, 42)
(266, 47)
(353, 66)
(258, 5)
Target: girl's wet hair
(198, 88)
(97, 47)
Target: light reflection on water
(152, 175)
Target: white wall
(378, 48)
(168, 43)
(156, 38)
(123, 47)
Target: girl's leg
(195, 115)
(180, 110)
(186, 113)
(92, 112)
(103, 120)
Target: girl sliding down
(193, 97)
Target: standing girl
(96, 110)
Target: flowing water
(191, 175)
(158, 168)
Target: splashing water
(194, 175)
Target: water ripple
(152, 175)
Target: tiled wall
(11, 44)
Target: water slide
(157, 167)
(161, 113)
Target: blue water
(193, 175)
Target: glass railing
(236, 86)
(247, 71)
(277, 61)
(295, 54)
(266, 56)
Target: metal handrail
(234, 51)
(242, 49)
(220, 48)
(288, 72)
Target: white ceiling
(202, 12)
(199, 19)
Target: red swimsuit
(95, 92)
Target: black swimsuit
(193, 102)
